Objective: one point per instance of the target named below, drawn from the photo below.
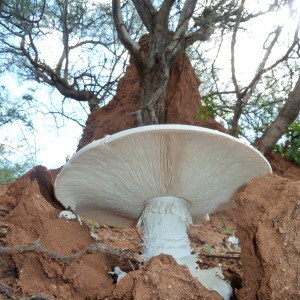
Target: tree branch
(233, 42)
(202, 34)
(146, 12)
(230, 256)
(184, 18)
(252, 86)
(66, 49)
(288, 52)
(8, 292)
(164, 15)
(50, 77)
(132, 46)
(286, 116)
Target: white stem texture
(165, 221)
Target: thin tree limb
(220, 256)
(233, 43)
(66, 49)
(252, 86)
(202, 35)
(288, 52)
(132, 46)
(184, 18)
(9, 293)
(163, 16)
(146, 12)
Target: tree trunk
(164, 47)
(286, 116)
(154, 81)
(234, 130)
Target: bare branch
(244, 97)
(202, 34)
(252, 86)
(146, 12)
(239, 103)
(132, 46)
(50, 77)
(288, 52)
(185, 16)
(9, 292)
(230, 256)
(94, 42)
(163, 16)
(65, 116)
(65, 53)
(233, 42)
(166, 8)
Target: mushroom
(164, 176)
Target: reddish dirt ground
(265, 265)
(266, 221)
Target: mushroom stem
(164, 221)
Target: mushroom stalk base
(164, 221)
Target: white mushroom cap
(110, 179)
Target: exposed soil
(268, 264)
(268, 229)
(284, 167)
(265, 265)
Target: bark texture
(164, 47)
(286, 116)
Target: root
(94, 248)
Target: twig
(94, 248)
(7, 291)
(220, 256)
(233, 43)
(38, 296)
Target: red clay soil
(268, 230)
(267, 260)
(32, 215)
(283, 167)
(162, 278)
(265, 264)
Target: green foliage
(12, 110)
(208, 108)
(13, 159)
(228, 230)
(93, 226)
(208, 248)
(9, 170)
(290, 148)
